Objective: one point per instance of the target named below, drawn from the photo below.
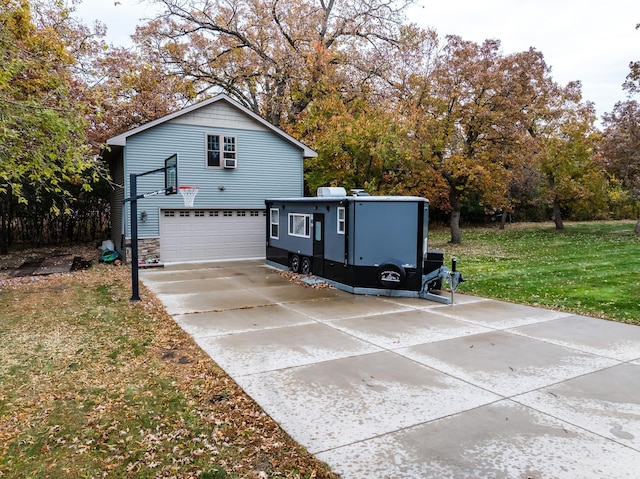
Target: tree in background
(568, 142)
(121, 87)
(271, 55)
(43, 146)
(387, 108)
(127, 90)
(470, 117)
(358, 133)
(358, 146)
(621, 147)
(632, 82)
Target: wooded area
(390, 107)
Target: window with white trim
(342, 220)
(219, 148)
(274, 223)
(299, 225)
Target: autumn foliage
(389, 106)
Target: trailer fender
(391, 274)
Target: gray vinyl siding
(220, 114)
(267, 166)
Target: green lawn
(588, 268)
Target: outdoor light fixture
(143, 216)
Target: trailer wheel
(391, 275)
(295, 263)
(305, 265)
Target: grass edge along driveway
(590, 268)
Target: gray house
(235, 157)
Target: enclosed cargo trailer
(361, 244)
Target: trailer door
(318, 244)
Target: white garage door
(210, 235)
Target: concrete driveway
(407, 388)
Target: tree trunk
(5, 226)
(637, 230)
(557, 215)
(456, 207)
(4, 240)
(503, 219)
(456, 234)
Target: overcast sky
(588, 40)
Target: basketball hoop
(188, 194)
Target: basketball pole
(135, 289)
(133, 199)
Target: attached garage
(211, 235)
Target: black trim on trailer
(278, 255)
(354, 276)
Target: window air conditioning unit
(230, 163)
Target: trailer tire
(294, 263)
(305, 265)
(391, 275)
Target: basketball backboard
(171, 175)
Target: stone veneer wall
(147, 248)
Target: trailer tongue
(452, 277)
(374, 245)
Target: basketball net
(188, 194)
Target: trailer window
(299, 225)
(341, 220)
(274, 223)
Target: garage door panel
(209, 235)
